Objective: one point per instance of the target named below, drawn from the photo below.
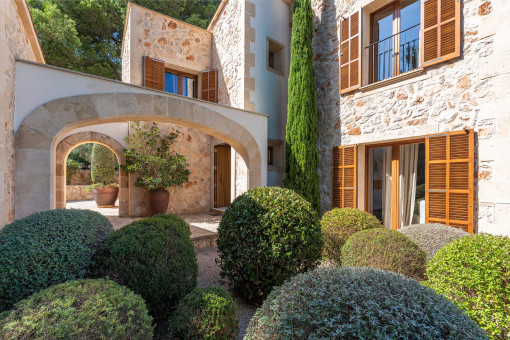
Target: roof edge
(217, 15)
(28, 24)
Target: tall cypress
(302, 158)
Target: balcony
(394, 55)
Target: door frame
(395, 166)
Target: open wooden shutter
(350, 59)
(440, 31)
(153, 73)
(449, 179)
(210, 85)
(344, 176)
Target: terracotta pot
(105, 196)
(158, 201)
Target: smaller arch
(65, 147)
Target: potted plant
(103, 187)
(157, 166)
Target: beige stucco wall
(194, 196)
(14, 43)
(463, 93)
(148, 33)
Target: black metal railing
(394, 55)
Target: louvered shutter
(440, 32)
(153, 73)
(449, 179)
(344, 176)
(210, 85)
(350, 59)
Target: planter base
(105, 196)
(158, 201)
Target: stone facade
(82, 177)
(16, 32)
(78, 193)
(461, 93)
(148, 33)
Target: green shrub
(102, 167)
(340, 224)
(48, 248)
(155, 258)
(358, 303)
(206, 313)
(385, 249)
(84, 309)
(432, 237)
(266, 236)
(474, 272)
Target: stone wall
(83, 177)
(194, 196)
(180, 45)
(14, 43)
(466, 92)
(78, 193)
(228, 53)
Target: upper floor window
(181, 83)
(275, 56)
(394, 48)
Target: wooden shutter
(210, 85)
(350, 58)
(153, 73)
(440, 31)
(449, 179)
(344, 176)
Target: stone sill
(392, 80)
(274, 168)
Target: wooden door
(221, 176)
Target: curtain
(386, 188)
(408, 157)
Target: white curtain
(408, 157)
(386, 188)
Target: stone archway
(39, 134)
(72, 141)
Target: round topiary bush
(84, 309)
(432, 237)
(474, 272)
(358, 303)
(48, 248)
(385, 249)
(266, 236)
(102, 165)
(205, 313)
(155, 258)
(340, 224)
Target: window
(275, 56)
(270, 155)
(181, 83)
(394, 47)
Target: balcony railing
(394, 55)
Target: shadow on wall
(327, 71)
(223, 95)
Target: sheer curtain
(408, 157)
(386, 188)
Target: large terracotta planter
(105, 197)
(158, 201)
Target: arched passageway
(62, 152)
(37, 175)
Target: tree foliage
(103, 165)
(302, 158)
(86, 35)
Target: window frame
(397, 5)
(180, 75)
(277, 54)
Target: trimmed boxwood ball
(432, 237)
(266, 236)
(205, 313)
(48, 248)
(385, 249)
(155, 258)
(340, 224)
(474, 272)
(358, 303)
(84, 309)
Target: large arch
(67, 145)
(39, 134)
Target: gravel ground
(209, 275)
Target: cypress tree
(302, 158)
